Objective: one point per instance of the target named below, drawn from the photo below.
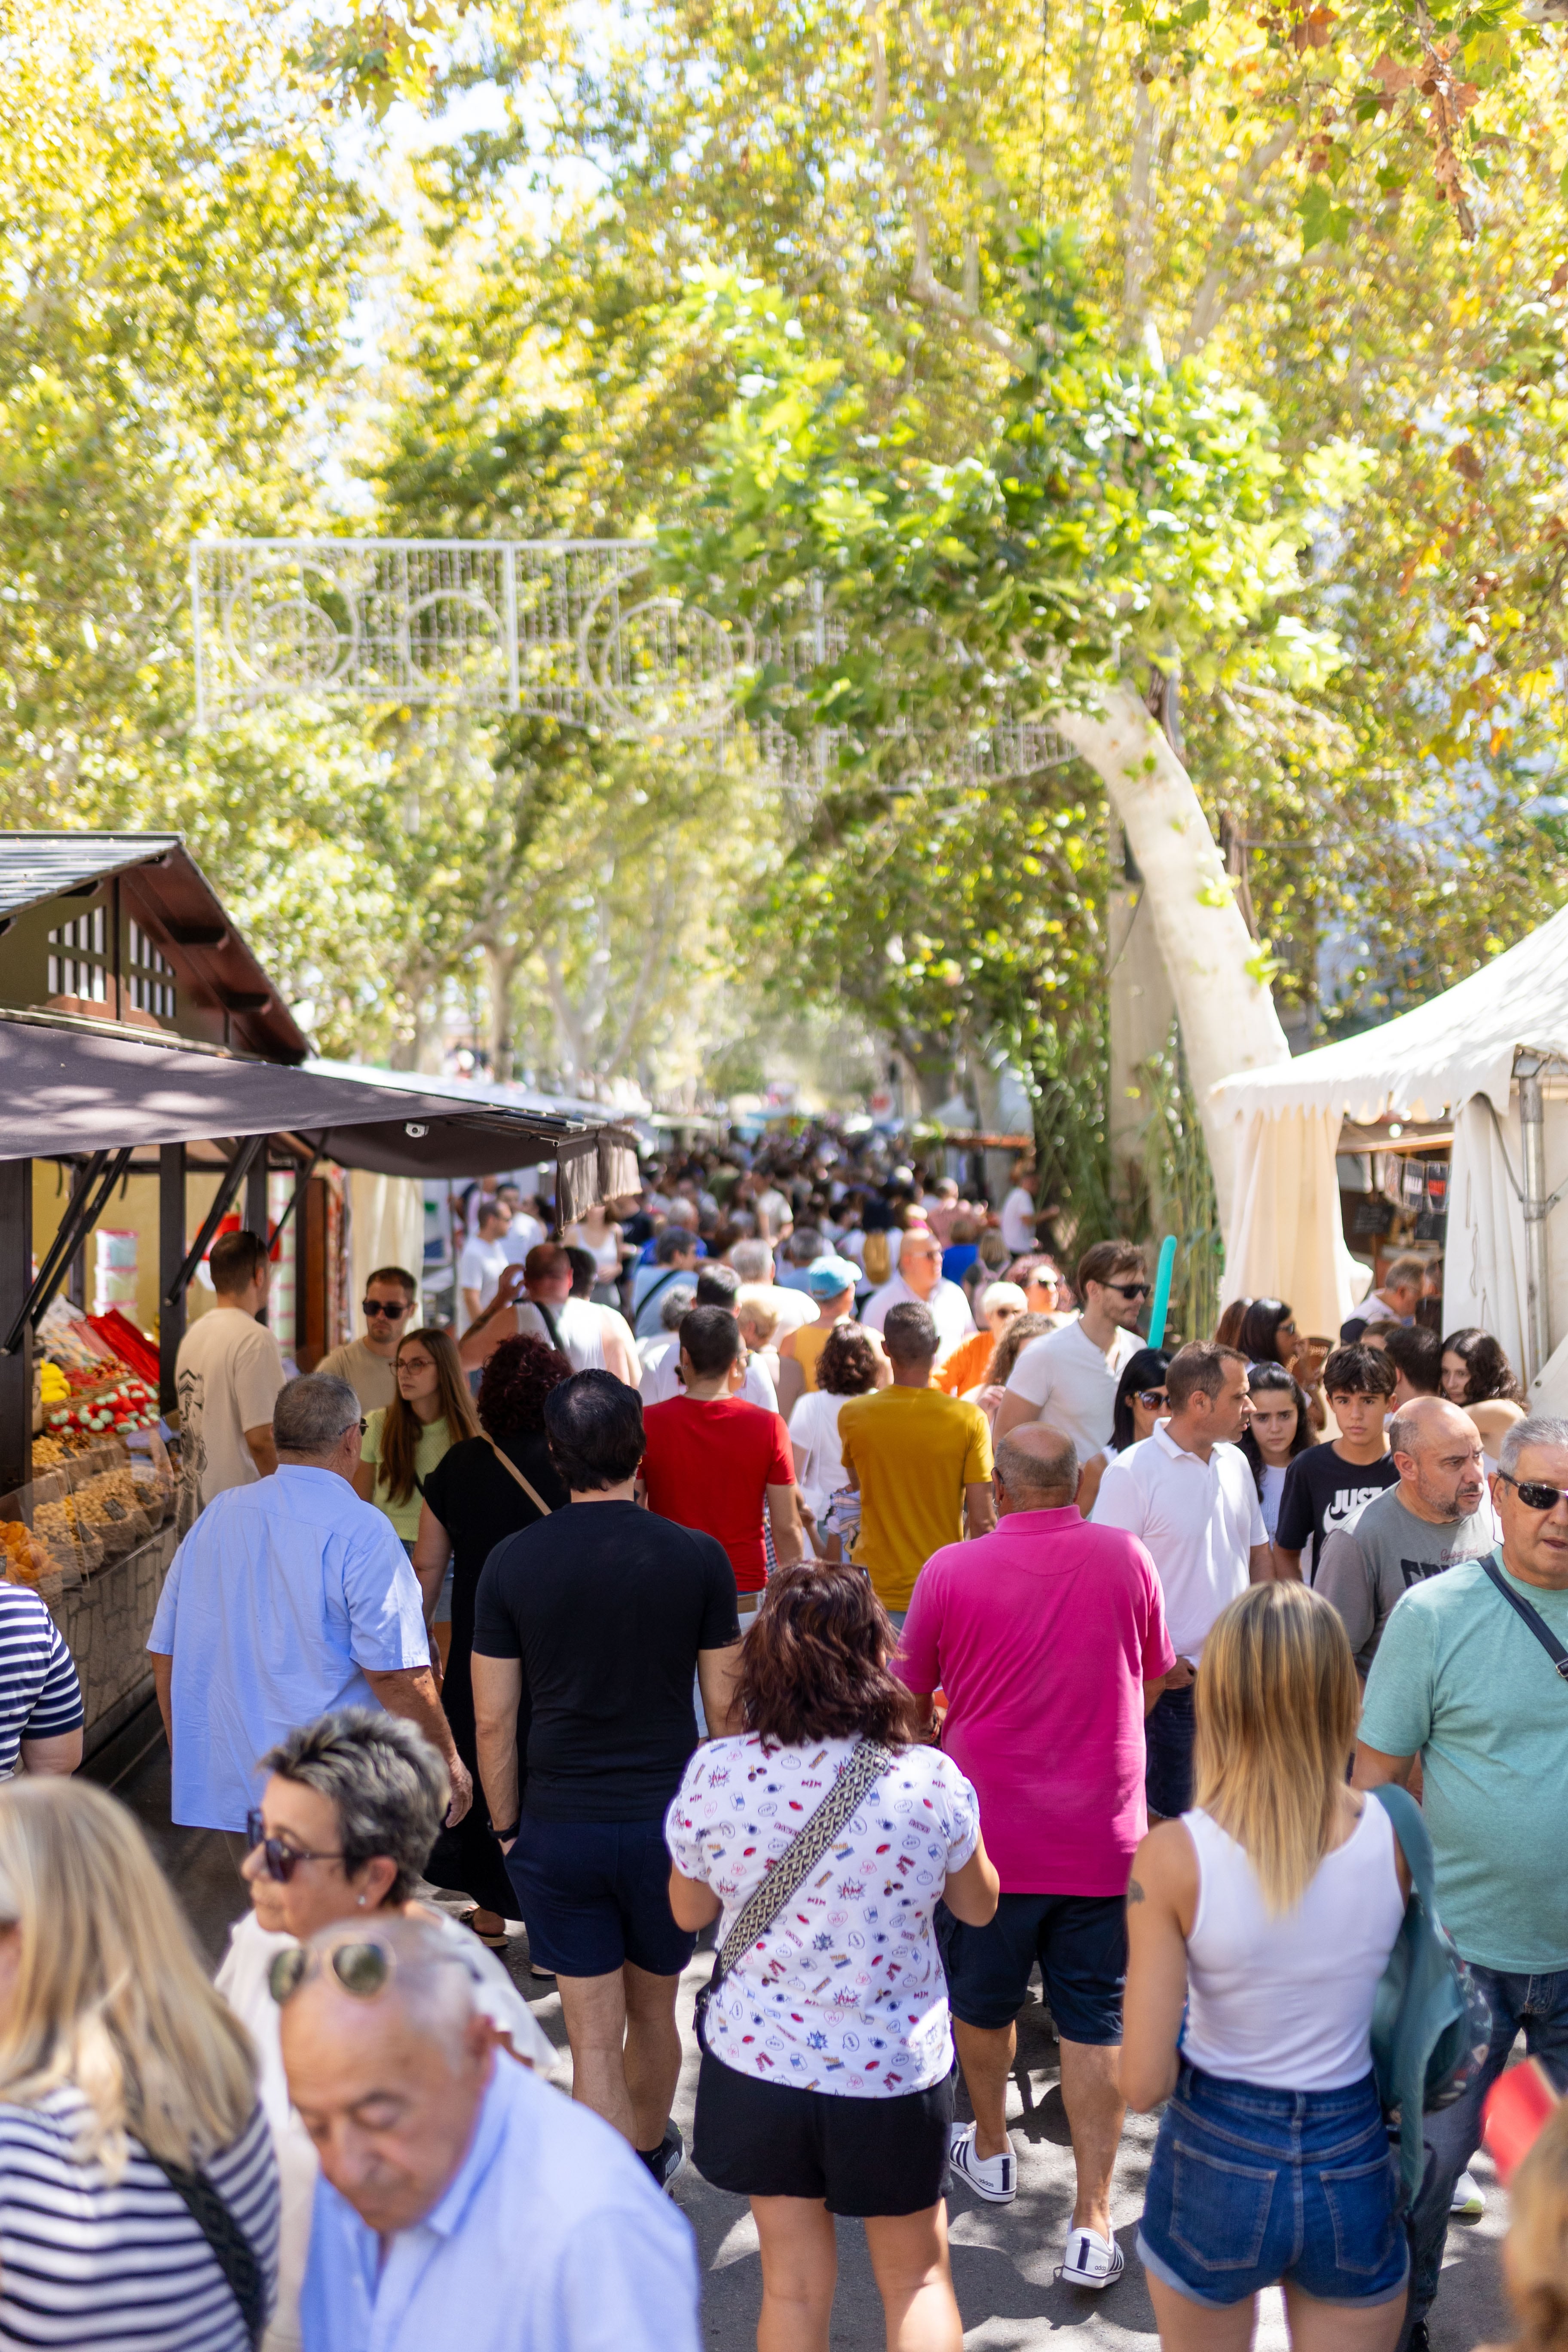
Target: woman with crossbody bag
(826, 1837)
(481, 1491)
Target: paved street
(1003, 2259)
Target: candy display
(127, 1404)
(86, 1389)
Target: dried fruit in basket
(25, 1559)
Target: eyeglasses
(277, 1859)
(413, 1363)
(1131, 1289)
(1534, 1493)
(361, 1967)
(383, 1307)
(1149, 1398)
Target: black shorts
(1081, 1943)
(594, 1894)
(864, 2158)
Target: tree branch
(1209, 303)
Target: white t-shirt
(226, 1375)
(1071, 1384)
(794, 1308)
(520, 1236)
(661, 1379)
(606, 1251)
(1198, 1521)
(1019, 1221)
(480, 1267)
(814, 1431)
(845, 1992)
(948, 1309)
(580, 1325)
(1273, 1487)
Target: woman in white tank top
(1260, 1925)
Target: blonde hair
(1536, 2260)
(110, 1995)
(1278, 1702)
(753, 1301)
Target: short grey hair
(1541, 1429)
(677, 1299)
(312, 1413)
(383, 1779)
(753, 1261)
(1046, 1466)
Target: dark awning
(69, 1089)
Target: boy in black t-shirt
(1327, 1487)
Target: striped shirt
(39, 1694)
(120, 2265)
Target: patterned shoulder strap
(859, 1773)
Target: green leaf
(1322, 221)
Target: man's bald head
(1437, 1453)
(1037, 1469)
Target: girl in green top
(403, 1441)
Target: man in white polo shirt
(1187, 1493)
(1068, 1378)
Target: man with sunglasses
(370, 1365)
(1469, 1678)
(1068, 1378)
(462, 2202)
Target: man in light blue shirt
(288, 1599)
(1466, 1677)
(462, 2202)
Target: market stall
(1478, 1077)
(140, 1045)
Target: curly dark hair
(517, 1380)
(847, 1363)
(1487, 1372)
(815, 1666)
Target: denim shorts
(1249, 2187)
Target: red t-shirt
(709, 1464)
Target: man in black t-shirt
(1327, 1486)
(605, 1613)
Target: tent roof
(1461, 1043)
(71, 1087)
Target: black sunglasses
(1131, 1289)
(381, 1306)
(277, 1859)
(362, 1969)
(1534, 1493)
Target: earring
(362, 1903)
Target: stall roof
(72, 1088)
(1461, 1043)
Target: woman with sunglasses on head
(1279, 1429)
(120, 2070)
(486, 1487)
(827, 2053)
(432, 1411)
(1260, 1925)
(349, 1814)
(1140, 1403)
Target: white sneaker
(1090, 2261)
(994, 2178)
(1469, 2198)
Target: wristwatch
(504, 1837)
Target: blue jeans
(1250, 2186)
(1540, 2005)
(1169, 1731)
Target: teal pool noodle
(1158, 1311)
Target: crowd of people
(810, 1566)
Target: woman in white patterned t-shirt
(825, 2083)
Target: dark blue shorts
(1081, 1943)
(1169, 1731)
(594, 1894)
(1249, 2186)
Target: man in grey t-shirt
(1436, 1516)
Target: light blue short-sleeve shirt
(277, 1602)
(550, 2237)
(1460, 1680)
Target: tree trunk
(1225, 1010)
(502, 959)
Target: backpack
(1430, 2022)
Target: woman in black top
(473, 1498)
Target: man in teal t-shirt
(1461, 1680)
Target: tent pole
(1534, 1202)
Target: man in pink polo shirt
(1048, 1639)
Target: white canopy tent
(1489, 1055)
